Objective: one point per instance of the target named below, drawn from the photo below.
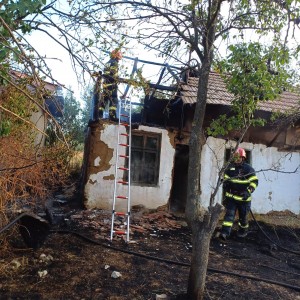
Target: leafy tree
(72, 122)
(13, 14)
(87, 105)
(174, 29)
(198, 25)
(252, 73)
(177, 30)
(27, 171)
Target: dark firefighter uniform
(239, 182)
(110, 85)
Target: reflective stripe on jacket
(239, 178)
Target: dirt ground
(77, 261)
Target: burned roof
(218, 94)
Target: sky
(58, 61)
(62, 69)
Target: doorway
(178, 195)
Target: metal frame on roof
(158, 86)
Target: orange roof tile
(218, 94)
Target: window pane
(136, 157)
(149, 175)
(150, 159)
(136, 165)
(137, 141)
(151, 142)
(145, 152)
(150, 167)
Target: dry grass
(280, 218)
(28, 176)
(76, 160)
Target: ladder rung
(124, 124)
(120, 232)
(123, 168)
(120, 213)
(123, 182)
(124, 140)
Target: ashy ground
(77, 261)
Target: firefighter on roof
(240, 182)
(110, 85)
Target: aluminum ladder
(121, 195)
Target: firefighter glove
(246, 194)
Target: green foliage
(17, 103)
(71, 122)
(5, 127)
(87, 105)
(224, 124)
(252, 73)
(255, 72)
(13, 14)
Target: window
(145, 154)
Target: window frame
(144, 150)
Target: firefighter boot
(101, 111)
(223, 236)
(113, 114)
(242, 232)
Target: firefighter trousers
(232, 206)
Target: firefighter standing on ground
(240, 182)
(110, 85)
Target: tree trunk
(202, 220)
(201, 235)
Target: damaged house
(160, 149)
(50, 106)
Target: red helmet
(241, 152)
(117, 54)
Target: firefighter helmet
(117, 54)
(241, 152)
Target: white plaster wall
(99, 191)
(212, 160)
(278, 173)
(39, 119)
(279, 180)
